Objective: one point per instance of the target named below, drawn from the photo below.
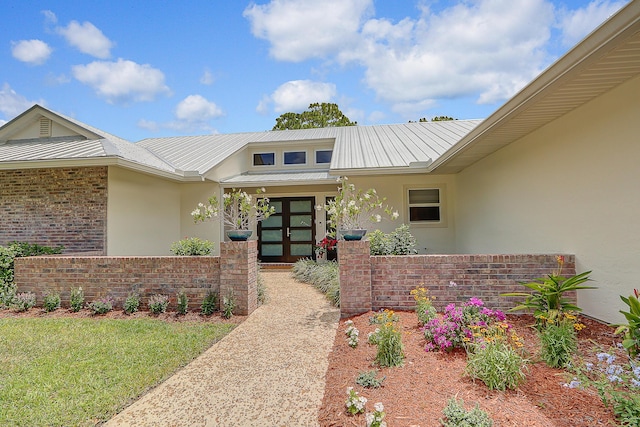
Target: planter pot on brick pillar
(238, 274)
(354, 262)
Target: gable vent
(45, 127)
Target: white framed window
(264, 159)
(323, 157)
(295, 158)
(425, 206)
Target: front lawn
(78, 372)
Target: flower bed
(416, 393)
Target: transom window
(424, 205)
(323, 156)
(295, 157)
(264, 159)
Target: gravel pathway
(269, 371)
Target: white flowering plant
(356, 209)
(376, 419)
(352, 334)
(355, 403)
(239, 210)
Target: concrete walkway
(269, 371)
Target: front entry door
(289, 234)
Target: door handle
(288, 233)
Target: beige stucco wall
(572, 187)
(430, 239)
(192, 194)
(143, 213)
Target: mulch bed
(415, 394)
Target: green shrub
(158, 303)
(558, 344)
(547, 301)
(262, 288)
(7, 255)
(101, 306)
(388, 338)
(192, 247)
(228, 305)
(76, 299)
(424, 305)
(457, 416)
(7, 288)
(51, 302)
(210, 303)
(183, 303)
(24, 301)
(497, 365)
(132, 303)
(369, 379)
(323, 276)
(398, 242)
(631, 330)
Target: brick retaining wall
(117, 277)
(482, 276)
(52, 207)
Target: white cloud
(122, 81)
(192, 114)
(196, 108)
(12, 104)
(576, 24)
(302, 29)
(488, 49)
(296, 95)
(207, 78)
(34, 52)
(484, 49)
(86, 38)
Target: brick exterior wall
(117, 277)
(239, 274)
(482, 276)
(61, 206)
(355, 277)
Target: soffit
(605, 59)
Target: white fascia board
(187, 176)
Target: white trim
(315, 156)
(442, 205)
(288, 165)
(253, 160)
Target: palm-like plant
(547, 300)
(631, 331)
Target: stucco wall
(570, 187)
(192, 194)
(143, 214)
(430, 239)
(60, 206)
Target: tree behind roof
(318, 115)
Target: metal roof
(282, 178)
(355, 147)
(88, 143)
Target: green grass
(77, 372)
(323, 276)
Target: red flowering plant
(325, 245)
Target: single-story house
(554, 170)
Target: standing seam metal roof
(355, 147)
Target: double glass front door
(289, 234)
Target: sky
(146, 69)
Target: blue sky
(162, 68)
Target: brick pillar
(354, 262)
(238, 274)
